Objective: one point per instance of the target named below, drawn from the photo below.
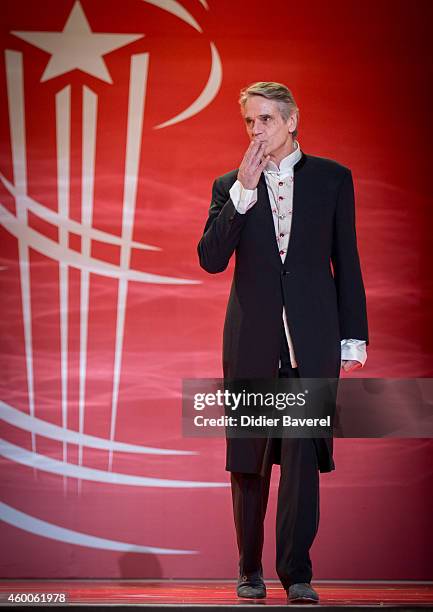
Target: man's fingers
(257, 153)
(250, 149)
(263, 163)
(253, 154)
(247, 156)
(253, 163)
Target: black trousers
(297, 509)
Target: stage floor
(180, 593)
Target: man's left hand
(349, 364)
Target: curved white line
(207, 95)
(32, 424)
(175, 8)
(204, 3)
(53, 250)
(29, 523)
(53, 466)
(53, 217)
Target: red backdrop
(98, 332)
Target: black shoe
(251, 586)
(302, 592)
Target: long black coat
(323, 305)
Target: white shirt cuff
(354, 350)
(243, 199)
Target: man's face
(264, 122)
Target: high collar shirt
(280, 183)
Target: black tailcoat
(323, 305)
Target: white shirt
(279, 181)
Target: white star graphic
(77, 47)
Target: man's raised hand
(252, 165)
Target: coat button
(285, 272)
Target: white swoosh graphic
(54, 251)
(24, 421)
(175, 8)
(54, 532)
(52, 216)
(207, 95)
(53, 466)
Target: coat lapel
(297, 208)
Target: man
(296, 308)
